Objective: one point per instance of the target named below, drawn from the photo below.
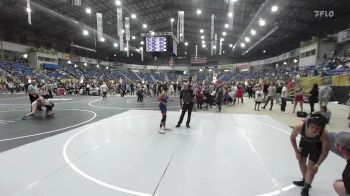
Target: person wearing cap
(314, 145)
(186, 103)
(342, 144)
(40, 102)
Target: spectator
(313, 98)
(299, 98)
(342, 143)
(325, 95)
(278, 93)
(270, 96)
(239, 94)
(259, 98)
(219, 96)
(284, 95)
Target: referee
(186, 102)
(33, 92)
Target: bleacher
(172, 77)
(146, 77)
(20, 70)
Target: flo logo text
(323, 14)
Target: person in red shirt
(239, 94)
(200, 98)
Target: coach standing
(186, 103)
(33, 92)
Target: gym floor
(112, 147)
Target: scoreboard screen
(156, 44)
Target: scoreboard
(156, 44)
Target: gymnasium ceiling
(53, 23)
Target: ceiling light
(230, 45)
(185, 53)
(142, 42)
(85, 64)
(200, 70)
(224, 33)
(227, 26)
(141, 49)
(253, 32)
(85, 32)
(25, 56)
(285, 63)
(295, 60)
(262, 22)
(199, 12)
(153, 33)
(214, 47)
(118, 2)
(222, 39)
(223, 51)
(202, 37)
(133, 37)
(242, 45)
(123, 31)
(186, 43)
(97, 65)
(274, 8)
(203, 41)
(201, 31)
(264, 51)
(144, 26)
(172, 20)
(107, 67)
(88, 10)
(115, 45)
(204, 46)
(181, 35)
(103, 39)
(230, 14)
(220, 43)
(133, 16)
(75, 65)
(28, 9)
(126, 49)
(69, 62)
(247, 39)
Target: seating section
(20, 70)
(335, 67)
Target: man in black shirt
(342, 142)
(186, 103)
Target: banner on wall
(165, 68)
(243, 65)
(88, 60)
(74, 58)
(66, 56)
(120, 27)
(99, 26)
(105, 63)
(132, 66)
(181, 26)
(151, 67)
(343, 36)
